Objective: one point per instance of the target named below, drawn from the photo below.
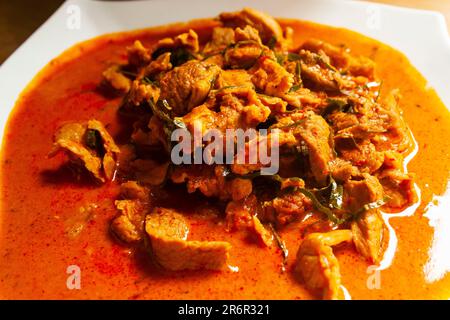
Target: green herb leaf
(180, 56)
(295, 88)
(293, 56)
(92, 139)
(147, 80)
(272, 42)
(321, 208)
(281, 245)
(337, 105)
(280, 58)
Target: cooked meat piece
(399, 187)
(289, 207)
(242, 215)
(109, 147)
(271, 77)
(342, 59)
(138, 55)
(343, 120)
(368, 228)
(263, 236)
(220, 39)
(315, 132)
(128, 226)
(167, 223)
(143, 93)
(71, 137)
(342, 170)
(116, 79)
(161, 64)
(239, 188)
(209, 180)
(246, 34)
(240, 107)
(275, 104)
(364, 156)
(316, 264)
(368, 235)
(188, 85)
(157, 135)
(91, 144)
(265, 24)
(133, 191)
(188, 40)
(358, 193)
(317, 69)
(239, 214)
(235, 78)
(168, 232)
(397, 137)
(200, 118)
(303, 97)
(243, 55)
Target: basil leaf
(281, 245)
(321, 208)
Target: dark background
(18, 20)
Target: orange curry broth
(46, 223)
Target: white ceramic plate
(421, 35)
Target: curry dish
(88, 179)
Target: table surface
(19, 19)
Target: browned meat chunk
(265, 24)
(141, 92)
(168, 232)
(209, 180)
(317, 69)
(289, 207)
(368, 228)
(116, 79)
(243, 55)
(220, 39)
(361, 192)
(316, 264)
(91, 144)
(271, 77)
(237, 78)
(138, 55)
(342, 170)
(128, 226)
(241, 215)
(188, 41)
(188, 85)
(161, 64)
(364, 156)
(368, 235)
(342, 59)
(399, 187)
(315, 132)
(133, 191)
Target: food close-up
(89, 177)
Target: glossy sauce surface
(49, 221)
